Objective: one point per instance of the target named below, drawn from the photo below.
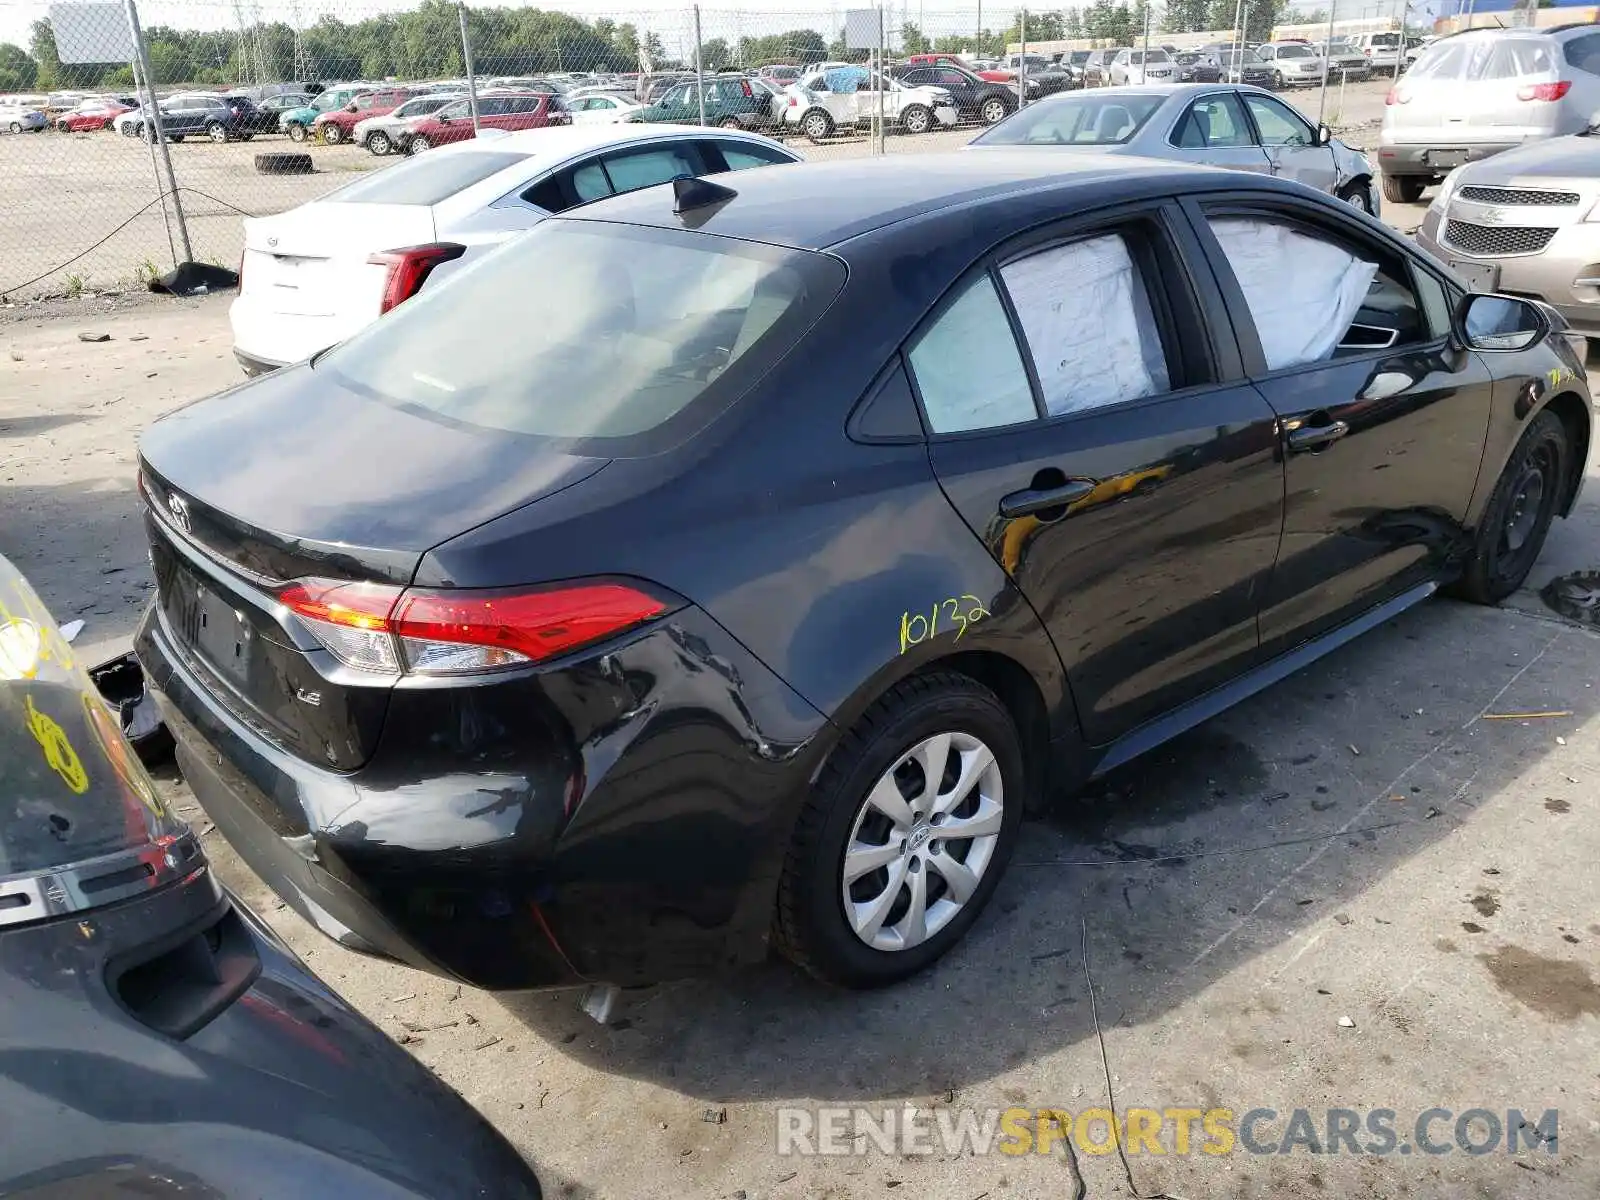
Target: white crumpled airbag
(1087, 318)
(1303, 292)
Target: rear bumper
(264, 340)
(626, 825)
(1550, 276)
(254, 365)
(1414, 158)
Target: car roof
(817, 205)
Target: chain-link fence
(265, 104)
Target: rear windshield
(1077, 120)
(1458, 58)
(427, 178)
(649, 323)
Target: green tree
(1187, 16)
(913, 40)
(1072, 26)
(716, 55)
(18, 71)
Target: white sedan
(316, 274)
(600, 108)
(848, 97)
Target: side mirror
(1324, 136)
(1499, 324)
(351, 107)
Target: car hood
(1574, 157)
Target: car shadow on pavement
(1208, 852)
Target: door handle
(1311, 438)
(1032, 500)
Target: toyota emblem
(272, 241)
(179, 508)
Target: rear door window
(739, 155)
(635, 169)
(1212, 122)
(655, 328)
(1583, 53)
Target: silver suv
(1474, 94)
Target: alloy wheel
(297, 132)
(216, 132)
(16, 127)
(418, 144)
(332, 135)
(816, 127)
(917, 119)
(922, 840)
(379, 143)
(994, 110)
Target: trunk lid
(257, 487)
(312, 261)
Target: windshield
(71, 788)
(1232, 58)
(1079, 57)
(650, 323)
(1156, 56)
(1077, 120)
(1295, 51)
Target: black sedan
(977, 98)
(1194, 67)
(159, 1040)
(837, 516)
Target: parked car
(144, 1002)
(92, 114)
(566, 730)
(1073, 61)
(1345, 60)
(651, 86)
(388, 132)
(1293, 64)
(1194, 67)
(1050, 77)
(57, 103)
(1141, 66)
(975, 98)
(22, 118)
(1097, 67)
(296, 122)
(850, 97)
(602, 108)
(316, 274)
(192, 114)
(731, 101)
(270, 109)
(499, 111)
(1244, 128)
(780, 75)
(1381, 49)
(1527, 223)
(1242, 66)
(1475, 94)
(339, 124)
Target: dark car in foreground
(836, 515)
(159, 1040)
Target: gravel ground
(63, 193)
(1360, 890)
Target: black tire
(1404, 189)
(1518, 515)
(730, 123)
(418, 144)
(175, 139)
(916, 118)
(810, 925)
(1358, 194)
(379, 143)
(15, 127)
(332, 134)
(217, 132)
(1277, 81)
(296, 131)
(993, 110)
(283, 164)
(817, 125)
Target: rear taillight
(1396, 96)
(409, 269)
(1545, 91)
(389, 630)
(745, 84)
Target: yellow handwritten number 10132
(960, 611)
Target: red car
(992, 74)
(90, 114)
(501, 110)
(337, 126)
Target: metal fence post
(153, 122)
(1327, 64)
(466, 57)
(1022, 59)
(699, 67)
(883, 86)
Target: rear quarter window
(1584, 53)
(427, 179)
